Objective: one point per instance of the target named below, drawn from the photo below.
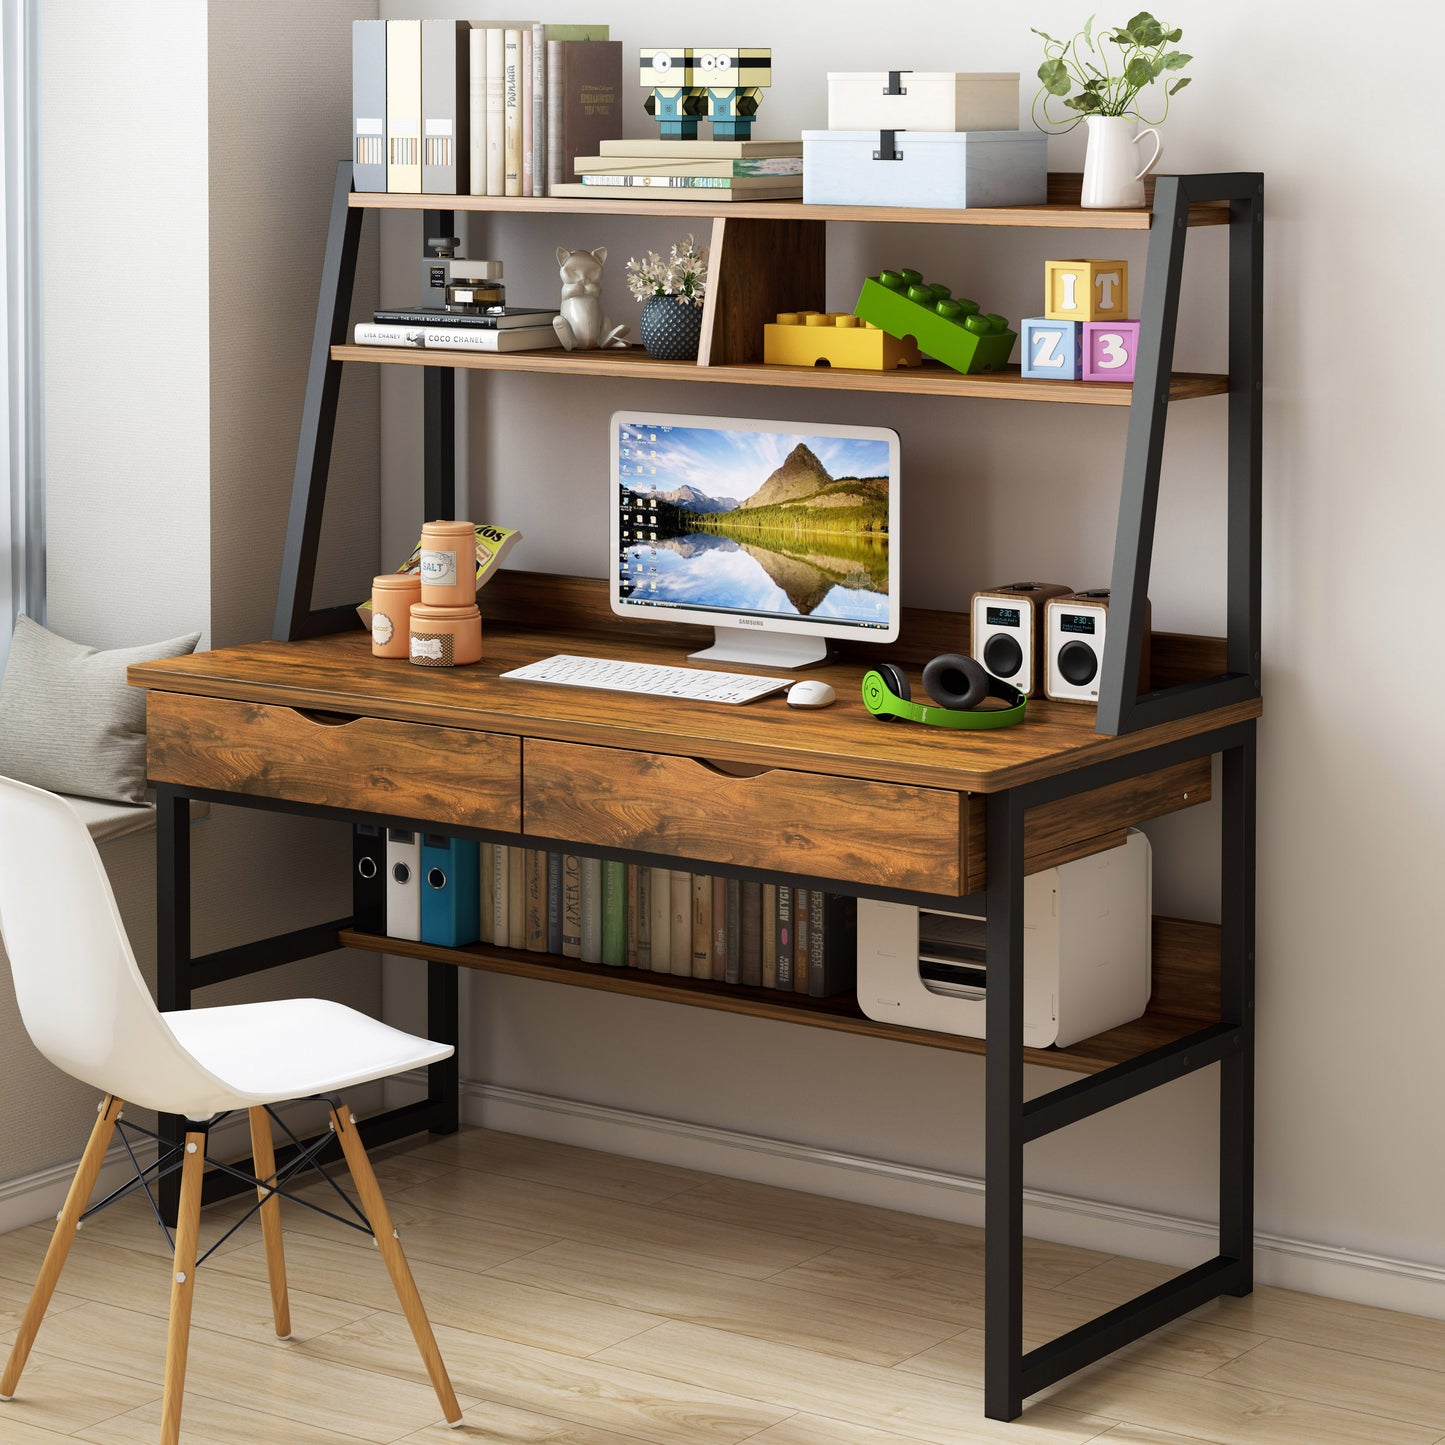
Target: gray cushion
(68, 722)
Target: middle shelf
(922, 381)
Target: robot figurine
(724, 85)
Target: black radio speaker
(1077, 629)
(1008, 632)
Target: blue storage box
(942, 170)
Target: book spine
(571, 906)
(512, 111)
(554, 903)
(648, 180)
(802, 908)
(477, 111)
(631, 944)
(536, 872)
(496, 116)
(701, 925)
(661, 920)
(554, 115)
(614, 914)
(516, 338)
(770, 935)
(501, 875)
(733, 929)
(516, 897)
(681, 924)
(539, 110)
(591, 910)
(424, 318)
(817, 943)
(524, 93)
(785, 937)
(486, 863)
(752, 931)
(719, 929)
(368, 105)
(643, 914)
(370, 333)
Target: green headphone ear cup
(880, 695)
(955, 681)
(895, 678)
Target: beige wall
(182, 263)
(1352, 786)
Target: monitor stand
(786, 650)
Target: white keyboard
(649, 678)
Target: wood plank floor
(586, 1299)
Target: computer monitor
(777, 534)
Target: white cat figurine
(582, 325)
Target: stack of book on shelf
(693, 925)
(509, 328)
(691, 170)
(486, 107)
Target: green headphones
(957, 685)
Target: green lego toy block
(950, 329)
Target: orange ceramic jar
(391, 597)
(449, 564)
(445, 636)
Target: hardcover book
(722, 169)
(657, 148)
(833, 945)
(614, 914)
(584, 102)
(512, 112)
(501, 904)
(727, 191)
(516, 897)
(785, 936)
(489, 892)
(701, 925)
(752, 935)
(660, 920)
(536, 875)
(802, 907)
(719, 929)
(554, 903)
(506, 319)
(644, 916)
(632, 884)
(571, 906)
(591, 910)
(733, 931)
(770, 935)
(681, 923)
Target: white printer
(1087, 929)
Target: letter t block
(1086, 290)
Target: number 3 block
(1086, 290)
(1052, 349)
(1109, 350)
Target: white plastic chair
(87, 1008)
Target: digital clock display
(1002, 616)
(1077, 622)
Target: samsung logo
(750, 621)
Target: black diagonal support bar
(294, 617)
(1121, 709)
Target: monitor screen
(755, 524)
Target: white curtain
(22, 518)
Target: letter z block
(1109, 350)
(1086, 290)
(1052, 349)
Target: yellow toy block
(834, 338)
(1086, 290)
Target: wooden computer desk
(833, 796)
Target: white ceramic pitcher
(1110, 177)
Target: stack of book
(509, 328)
(691, 170)
(490, 108)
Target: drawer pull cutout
(325, 719)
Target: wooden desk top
(338, 674)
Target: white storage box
(947, 170)
(1087, 954)
(923, 100)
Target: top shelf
(1062, 211)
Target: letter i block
(1052, 349)
(1086, 290)
(1109, 350)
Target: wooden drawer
(854, 830)
(409, 770)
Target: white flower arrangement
(683, 275)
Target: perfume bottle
(474, 287)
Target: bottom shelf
(1186, 994)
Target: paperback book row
(485, 108)
(455, 891)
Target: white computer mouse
(809, 693)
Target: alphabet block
(1086, 290)
(1052, 349)
(1109, 350)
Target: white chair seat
(292, 1048)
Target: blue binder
(451, 892)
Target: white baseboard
(1114, 1229)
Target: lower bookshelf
(1185, 998)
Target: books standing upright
(445, 106)
(512, 112)
(496, 115)
(584, 102)
(403, 105)
(368, 105)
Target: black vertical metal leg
(439, 392)
(1237, 968)
(1004, 1113)
(443, 1080)
(173, 945)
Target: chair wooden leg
(264, 1159)
(60, 1242)
(379, 1218)
(183, 1286)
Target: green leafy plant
(1082, 65)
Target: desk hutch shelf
(311, 723)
